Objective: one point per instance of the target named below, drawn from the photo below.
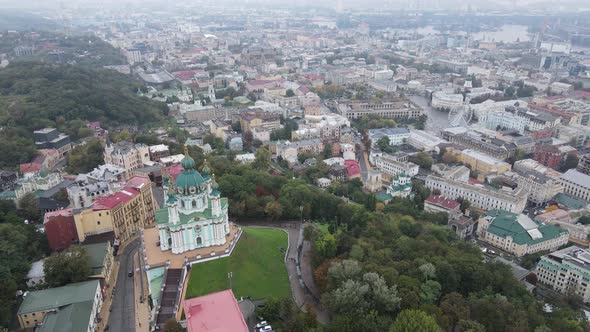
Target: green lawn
(257, 264)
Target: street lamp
(229, 277)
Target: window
(199, 241)
(98, 222)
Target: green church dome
(189, 181)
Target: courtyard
(257, 265)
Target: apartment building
(518, 234)
(124, 212)
(576, 184)
(390, 166)
(566, 271)
(73, 307)
(481, 142)
(259, 119)
(399, 108)
(541, 182)
(445, 100)
(483, 163)
(480, 196)
(127, 155)
(396, 136)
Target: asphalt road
(122, 316)
(363, 163)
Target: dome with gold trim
(189, 181)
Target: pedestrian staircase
(169, 296)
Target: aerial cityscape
(266, 165)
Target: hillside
(36, 95)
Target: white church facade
(195, 216)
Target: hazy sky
(344, 4)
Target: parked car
(261, 324)
(266, 328)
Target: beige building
(124, 212)
(127, 155)
(259, 119)
(73, 307)
(480, 196)
(541, 182)
(483, 163)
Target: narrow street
(123, 305)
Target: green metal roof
(189, 178)
(506, 224)
(162, 214)
(58, 297)
(96, 253)
(383, 196)
(8, 195)
(71, 318)
(570, 202)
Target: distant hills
(20, 20)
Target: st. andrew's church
(195, 215)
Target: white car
(266, 328)
(261, 324)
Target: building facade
(73, 307)
(60, 228)
(480, 196)
(390, 166)
(541, 182)
(576, 184)
(195, 215)
(387, 109)
(566, 271)
(127, 155)
(124, 212)
(518, 234)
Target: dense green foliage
(284, 313)
(20, 245)
(37, 95)
(84, 158)
(373, 261)
(86, 50)
(72, 265)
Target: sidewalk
(142, 316)
(105, 310)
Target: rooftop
(577, 178)
(96, 254)
(214, 312)
(521, 228)
(53, 298)
(443, 201)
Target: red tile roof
(217, 312)
(30, 168)
(474, 181)
(443, 201)
(114, 200)
(137, 182)
(303, 89)
(186, 75)
(352, 167)
(59, 213)
(174, 170)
